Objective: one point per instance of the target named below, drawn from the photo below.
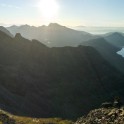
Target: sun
(48, 8)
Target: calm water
(121, 52)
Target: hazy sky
(67, 12)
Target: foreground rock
(103, 116)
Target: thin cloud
(9, 6)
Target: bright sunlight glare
(48, 8)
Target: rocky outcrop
(103, 116)
(6, 119)
(18, 35)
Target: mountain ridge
(3, 29)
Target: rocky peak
(18, 35)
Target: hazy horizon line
(76, 26)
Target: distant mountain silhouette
(116, 39)
(108, 50)
(66, 82)
(5, 31)
(53, 35)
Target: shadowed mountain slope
(62, 82)
(108, 51)
(116, 39)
